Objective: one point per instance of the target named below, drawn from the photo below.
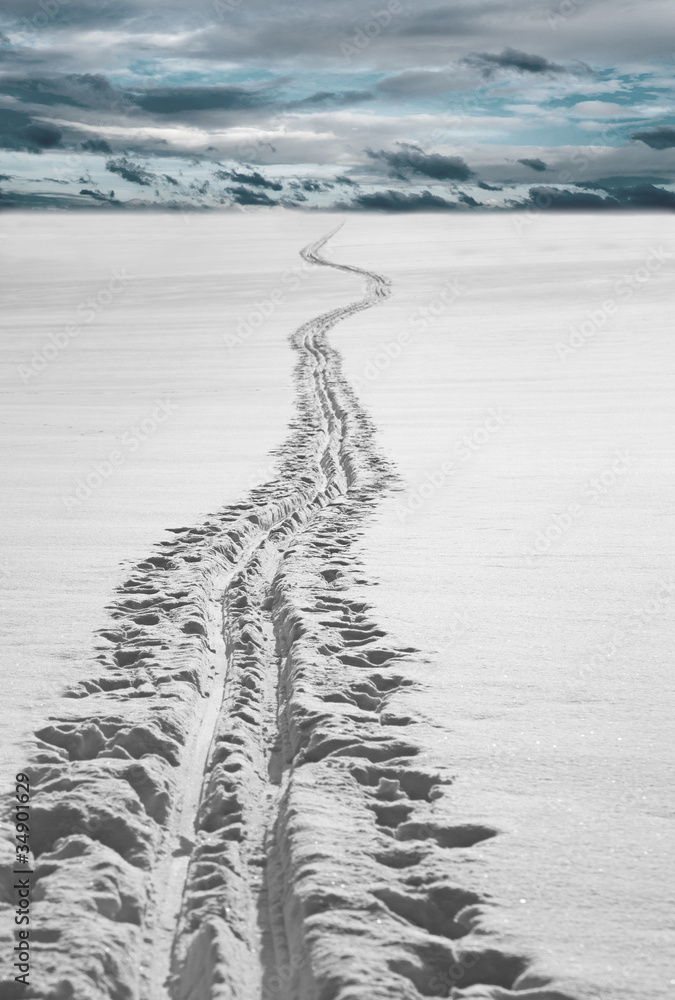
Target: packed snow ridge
(230, 810)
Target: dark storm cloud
(341, 179)
(181, 100)
(638, 196)
(21, 200)
(94, 92)
(645, 196)
(466, 199)
(95, 146)
(78, 90)
(19, 131)
(621, 181)
(660, 137)
(331, 99)
(42, 134)
(395, 201)
(242, 196)
(176, 100)
(410, 160)
(312, 186)
(131, 171)
(488, 187)
(255, 179)
(100, 196)
(488, 63)
(555, 199)
(535, 163)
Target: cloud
(601, 109)
(19, 131)
(178, 100)
(621, 181)
(645, 196)
(73, 94)
(95, 146)
(307, 184)
(466, 199)
(396, 201)
(100, 196)
(42, 134)
(641, 195)
(255, 179)
(75, 90)
(535, 163)
(242, 196)
(488, 187)
(511, 59)
(416, 83)
(413, 160)
(332, 99)
(131, 171)
(659, 137)
(556, 199)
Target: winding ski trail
(232, 810)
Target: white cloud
(600, 109)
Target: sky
(397, 106)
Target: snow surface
(504, 714)
(550, 688)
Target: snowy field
(441, 763)
(531, 553)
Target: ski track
(230, 811)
